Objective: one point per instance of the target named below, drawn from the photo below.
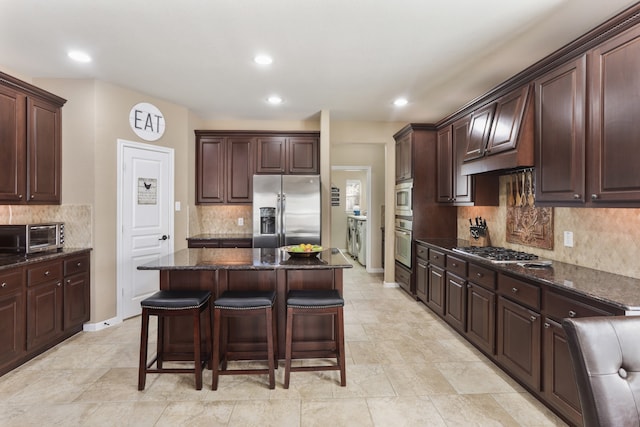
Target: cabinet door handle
(533, 318)
(547, 325)
(78, 264)
(59, 284)
(576, 196)
(68, 280)
(33, 197)
(46, 273)
(453, 264)
(479, 274)
(20, 196)
(4, 285)
(572, 313)
(514, 290)
(594, 197)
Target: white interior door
(145, 219)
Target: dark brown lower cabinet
(220, 243)
(403, 278)
(422, 279)
(481, 320)
(435, 290)
(559, 386)
(12, 321)
(44, 313)
(41, 305)
(519, 341)
(455, 301)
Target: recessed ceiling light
(400, 102)
(79, 56)
(274, 99)
(263, 59)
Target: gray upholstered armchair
(606, 359)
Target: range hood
(505, 139)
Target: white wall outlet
(568, 239)
(240, 221)
(178, 207)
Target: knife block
(479, 236)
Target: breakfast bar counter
(243, 269)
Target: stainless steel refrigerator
(286, 210)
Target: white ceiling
(351, 57)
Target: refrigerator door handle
(283, 228)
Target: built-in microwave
(404, 199)
(31, 238)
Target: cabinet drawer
(457, 266)
(43, 273)
(203, 243)
(403, 276)
(558, 307)
(422, 253)
(482, 276)
(517, 290)
(436, 258)
(76, 265)
(236, 243)
(10, 281)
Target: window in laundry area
(352, 194)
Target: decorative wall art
(147, 191)
(527, 224)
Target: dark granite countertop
(614, 289)
(245, 259)
(210, 236)
(11, 260)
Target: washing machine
(361, 239)
(351, 236)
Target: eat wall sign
(147, 121)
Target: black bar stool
(172, 303)
(242, 304)
(317, 303)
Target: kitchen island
(221, 269)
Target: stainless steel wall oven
(403, 239)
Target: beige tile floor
(405, 367)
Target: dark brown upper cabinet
(224, 169)
(560, 134)
(288, 154)
(587, 128)
(614, 130)
(501, 134)
(30, 142)
(404, 157)
(509, 115)
(453, 187)
(479, 128)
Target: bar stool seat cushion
(245, 300)
(176, 300)
(314, 299)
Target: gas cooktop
(498, 255)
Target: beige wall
(338, 213)
(604, 239)
(344, 133)
(95, 117)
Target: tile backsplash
(604, 239)
(77, 218)
(220, 219)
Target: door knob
(164, 237)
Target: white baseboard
(375, 270)
(390, 285)
(98, 326)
